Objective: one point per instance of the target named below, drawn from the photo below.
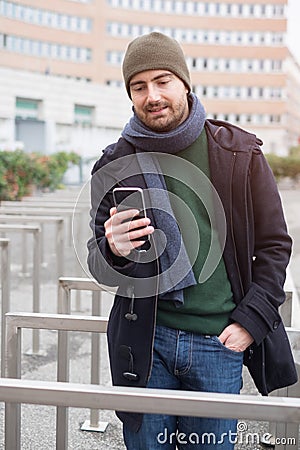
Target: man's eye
(137, 88)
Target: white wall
(58, 97)
(112, 109)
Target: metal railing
(57, 196)
(285, 309)
(35, 209)
(280, 429)
(152, 401)
(65, 286)
(79, 210)
(41, 202)
(5, 295)
(74, 214)
(276, 409)
(15, 322)
(155, 401)
(40, 220)
(36, 282)
(290, 309)
(288, 314)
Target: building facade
(236, 51)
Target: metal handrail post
(5, 295)
(285, 309)
(13, 367)
(95, 350)
(94, 424)
(43, 262)
(63, 369)
(77, 236)
(36, 287)
(60, 248)
(24, 272)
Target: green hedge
(285, 166)
(20, 172)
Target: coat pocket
(271, 364)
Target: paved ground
(38, 422)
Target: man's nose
(153, 93)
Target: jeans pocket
(217, 341)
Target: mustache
(155, 106)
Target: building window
(200, 7)
(45, 49)
(114, 57)
(83, 114)
(275, 118)
(27, 108)
(44, 17)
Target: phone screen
(130, 198)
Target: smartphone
(130, 198)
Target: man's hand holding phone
(127, 228)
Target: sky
(293, 34)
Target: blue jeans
(194, 362)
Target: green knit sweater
(207, 306)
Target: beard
(164, 116)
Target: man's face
(160, 99)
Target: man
(201, 296)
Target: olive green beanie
(155, 51)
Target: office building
(236, 51)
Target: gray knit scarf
(172, 282)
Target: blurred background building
(60, 68)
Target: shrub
(16, 172)
(295, 151)
(20, 170)
(284, 166)
(50, 169)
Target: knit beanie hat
(155, 51)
